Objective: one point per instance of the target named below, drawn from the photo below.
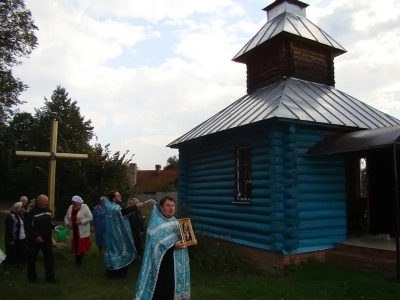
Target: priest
(165, 272)
(120, 249)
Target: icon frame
(187, 233)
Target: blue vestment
(120, 250)
(99, 223)
(162, 234)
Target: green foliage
(172, 163)
(7, 182)
(104, 171)
(167, 186)
(20, 128)
(10, 90)
(17, 40)
(217, 256)
(75, 132)
(91, 178)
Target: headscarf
(24, 198)
(77, 199)
(17, 208)
(135, 200)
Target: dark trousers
(78, 259)
(119, 273)
(33, 251)
(16, 254)
(137, 239)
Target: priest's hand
(180, 245)
(69, 225)
(140, 204)
(39, 239)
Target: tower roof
(288, 16)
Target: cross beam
(52, 155)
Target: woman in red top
(78, 219)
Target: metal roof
(358, 140)
(293, 99)
(290, 23)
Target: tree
(17, 40)
(15, 135)
(74, 132)
(168, 186)
(74, 136)
(172, 163)
(7, 183)
(105, 171)
(91, 178)
(20, 128)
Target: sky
(147, 72)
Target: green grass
(313, 281)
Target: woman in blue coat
(99, 225)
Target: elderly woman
(2, 258)
(99, 225)
(15, 237)
(25, 205)
(137, 225)
(78, 219)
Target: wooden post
(396, 198)
(52, 164)
(52, 155)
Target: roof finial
(291, 6)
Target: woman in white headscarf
(2, 257)
(15, 238)
(78, 219)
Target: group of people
(28, 230)
(118, 232)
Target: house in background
(153, 184)
(248, 173)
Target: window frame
(362, 190)
(243, 161)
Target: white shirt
(22, 230)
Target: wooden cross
(52, 155)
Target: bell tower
(289, 45)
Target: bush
(216, 256)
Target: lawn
(313, 281)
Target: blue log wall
(298, 202)
(321, 193)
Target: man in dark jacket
(39, 226)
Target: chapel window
(363, 177)
(243, 175)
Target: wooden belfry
(52, 155)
